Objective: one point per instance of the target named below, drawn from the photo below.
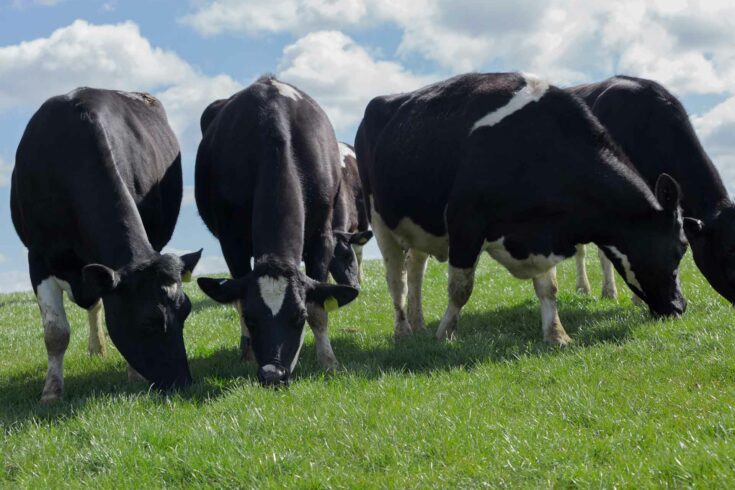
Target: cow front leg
(546, 288)
(608, 277)
(583, 283)
(55, 335)
(416, 268)
(461, 282)
(97, 343)
(246, 348)
(358, 255)
(318, 321)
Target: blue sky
(343, 52)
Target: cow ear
(361, 237)
(190, 261)
(330, 296)
(667, 192)
(222, 290)
(99, 279)
(692, 227)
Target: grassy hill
(634, 403)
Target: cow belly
(410, 235)
(527, 268)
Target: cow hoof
(558, 339)
(329, 364)
(636, 300)
(402, 329)
(53, 391)
(97, 350)
(583, 289)
(610, 294)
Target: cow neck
(120, 239)
(278, 213)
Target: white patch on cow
(298, 351)
(65, 286)
(629, 274)
(411, 235)
(171, 290)
(534, 89)
(269, 368)
(344, 153)
(527, 268)
(49, 295)
(273, 291)
(286, 90)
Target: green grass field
(634, 403)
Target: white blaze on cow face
(273, 291)
(629, 274)
(528, 268)
(534, 89)
(171, 290)
(344, 153)
(286, 90)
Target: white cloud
(716, 129)
(110, 56)
(20, 4)
(341, 75)
(255, 16)
(13, 281)
(188, 198)
(5, 171)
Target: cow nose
(272, 375)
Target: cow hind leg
(394, 260)
(97, 344)
(55, 335)
(546, 288)
(461, 282)
(608, 277)
(583, 283)
(416, 267)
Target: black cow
(267, 176)
(95, 195)
(350, 222)
(507, 164)
(653, 129)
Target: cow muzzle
(273, 376)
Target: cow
(349, 222)
(508, 164)
(95, 195)
(653, 129)
(266, 180)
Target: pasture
(635, 402)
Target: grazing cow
(267, 176)
(653, 129)
(95, 195)
(350, 223)
(507, 164)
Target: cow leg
(134, 376)
(545, 286)
(461, 282)
(358, 255)
(583, 283)
(55, 334)
(317, 261)
(237, 255)
(97, 344)
(416, 266)
(394, 261)
(608, 277)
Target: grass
(634, 403)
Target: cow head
(647, 253)
(145, 309)
(344, 266)
(273, 302)
(713, 248)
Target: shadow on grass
(500, 335)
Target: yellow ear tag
(330, 304)
(186, 276)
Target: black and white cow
(267, 175)
(350, 222)
(507, 164)
(95, 195)
(653, 129)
